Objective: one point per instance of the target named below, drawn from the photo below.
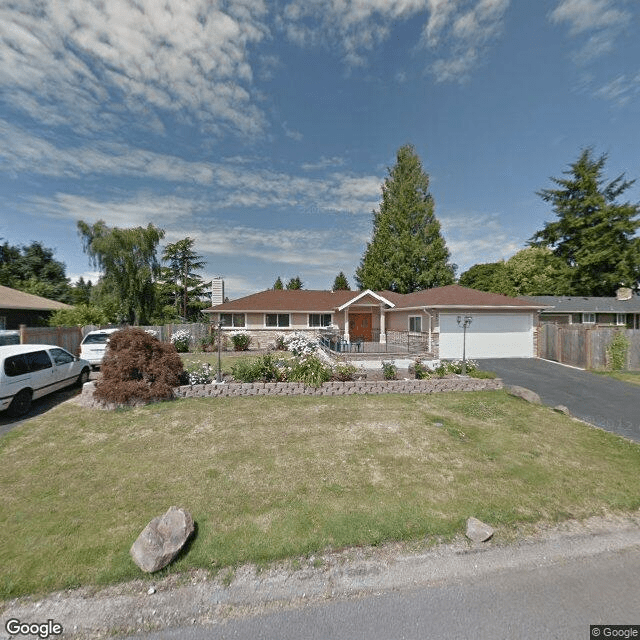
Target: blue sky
(264, 130)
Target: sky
(265, 130)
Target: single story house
(500, 326)
(622, 310)
(18, 307)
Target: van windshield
(96, 338)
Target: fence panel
(585, 347)
(66, 337)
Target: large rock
(525, 394)
(478, 531)
(162, 539)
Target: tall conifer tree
(407, 251)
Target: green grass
(267, 478)
(626, 376)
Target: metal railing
(396, 342)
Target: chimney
(624, 293)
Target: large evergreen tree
(407, 251)
(294, 283)
(341, 283)
(594, 235)
(181, 274)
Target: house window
(276, 319)
(3, 323)
(621, 318)
(319, 319)
(588, 318)
(415, 324)
(232, 319)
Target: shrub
(280, 343)
(301, 345)
(344, 372)
(617, 351)
(266, 368)
(180, 340)
(241, 340)
(422, 372)
(309, 370)
(199, 373)
(389, 370)
(447, 367)
(138, 368)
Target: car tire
(20, 404)
(84, 376)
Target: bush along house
(434, 321)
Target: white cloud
(600, 20)
(458, 31)
(620, 90)
(67, 61)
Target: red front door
(360, 326)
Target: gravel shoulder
(197, 599)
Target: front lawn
(274, 477)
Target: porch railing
(397, 342)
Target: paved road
(545, 602)
(599, 400)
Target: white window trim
(319, 326)
(288, 326)
(619, 317)
(409, 323)
(233, 325)
(585, 317)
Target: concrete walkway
(599, 400)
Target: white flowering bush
(200, 373)
(300, 345)
(180, 340)
(447, 367)
(241, 340)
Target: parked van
(30, 371)
(94, 346)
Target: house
(622, 310)
(18, 307)
(433, 319)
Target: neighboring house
(500, 326)
(623, 310)
(17, 307)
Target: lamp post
(219, 377)
(464, 322)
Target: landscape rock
(162, 539)
(560, 408)
(478, 531)
(525, 394)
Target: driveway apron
(606, 403)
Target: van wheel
(20, 404)
(84, 376)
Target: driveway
(606, 403)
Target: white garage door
(488, 336)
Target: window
(38, 360)
(96, 338)
(415, 324)
(276, 319)
(232, 319)
(60, 356)
(621, 318)
(3, 322)
(588, 318)
(319, 319)
(16, 366)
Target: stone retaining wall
(235, 389)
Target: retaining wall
(235, 389)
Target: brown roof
(14, 299)
(327, 301)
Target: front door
(360, 326)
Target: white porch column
(346, 324)
(383, 325)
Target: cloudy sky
(264, 130)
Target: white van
(30, 371)
(94, 346)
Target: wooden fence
(66, 337)
(585, 347)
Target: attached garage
(490, 335)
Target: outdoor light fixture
(464, 322)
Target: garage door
(488, 336)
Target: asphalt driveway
(599, 400)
